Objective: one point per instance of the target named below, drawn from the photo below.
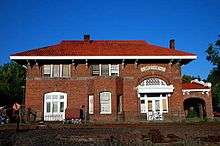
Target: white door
(55, 104)
(154, 106)
(154, 109)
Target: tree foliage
(213, 55)
(189, 78)
(12, 81)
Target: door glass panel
(157, 105)
(55, 107)
(61, 106)
(48, 107)
(149, 105)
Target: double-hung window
(105, 103)
(47, 70)
(105, 70)
(114, 70)
(95, 70)
(56, 70)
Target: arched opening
(194, 107)
(153, 94)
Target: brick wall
(81, 84)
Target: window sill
(56, 78)
(103, 113)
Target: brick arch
(144, 77)
(195, 95)
(198, 100)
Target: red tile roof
(194, 85)
(103, 48)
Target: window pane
(149, 105)
(65, 70)
(54, 96)
(119, 103)
(157, 105)
(55, 107)
(56, 70)
(114, 69)
(142, 101)
(61, 96)
(61, 106)
(164, 103)
(105, 70)
(105, 102)
(95, 70)
(48, 107)
(47, 70)
(48, 97)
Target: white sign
(158, 68)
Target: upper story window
(105, 70)
(56, 70)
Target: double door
(154, 107)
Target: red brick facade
(82, 84)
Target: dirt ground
(158, 134)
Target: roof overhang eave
(192, 57)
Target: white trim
(155, 89)
(91, 104)
(99, 57)
(194, 90)
(110, 103)
(55, 116)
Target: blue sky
(27, 24)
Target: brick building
(115, 81)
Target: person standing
(16, 108)
(82, 113)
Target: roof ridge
(105, 41)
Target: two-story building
(129, 80)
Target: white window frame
(91, 104)
(144, 106)
(44, 73)
(110, 103)
(60, 71)
(115, 72)
(55, 116)
(109, 69)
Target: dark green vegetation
(12, 83)
(213, 55)
(189, 78)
